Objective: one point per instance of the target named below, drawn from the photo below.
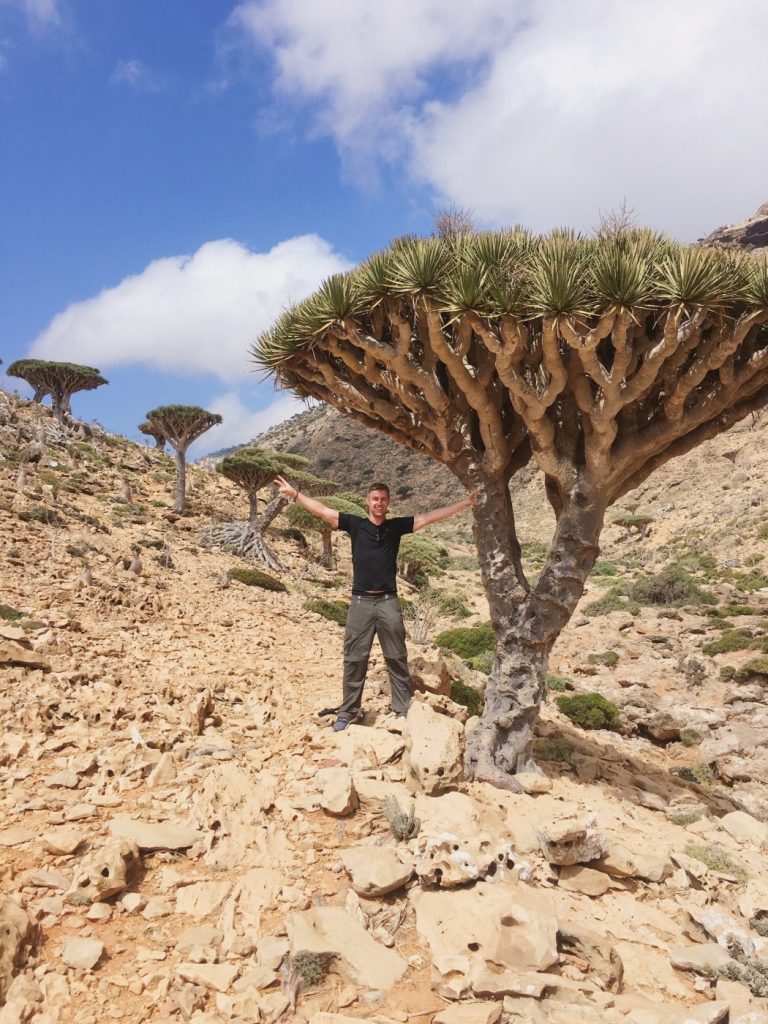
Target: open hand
(285, 489)
(472, 496)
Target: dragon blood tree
(253, 470)
(59, 380)
(305, 521)
(598, 359)
(180, 425)
(150, 430)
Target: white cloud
(194, 314)
(137, 75)
(39, 13)
(542, 112)
(241, 424)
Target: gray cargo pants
(375, 615)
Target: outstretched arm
(438, 514)
(317, 508)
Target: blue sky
(173, 173)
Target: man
(374, 609)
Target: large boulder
(17, 933)
(375, 870)
(104, 873)
(434, 749)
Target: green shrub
(419, 558)
(608, 658)
(750, 581)
(558, 684)
(695, 561)
(336, 611)
(555, 751)
(589, 711)
(40, 514)
(731, 640)
(313, 967)
(601, 568)
(633, 520)
(468, 641)
(718, 860)
(482, 662)
(257, 578)
(755, 667)
(10, 614)
(672, 586)
(762, 533)
(614, 600)
(727, 672)
(463, 693)
(703, 774)
(727, 611)
(684, 817)
(454, 607)
(534, 551)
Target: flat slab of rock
(83, 953)
(216, 977)
(14, 654)
(148, 835)
(15, 836)
(577, 878)
(622, 863)
(703, 958)
(745, 828)
(201, 898)
(532, 782)
(62, 841)
(375, 870)
(360, 959)
(469, 1013)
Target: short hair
(378, 487)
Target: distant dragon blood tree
(253, 470)
(600, 359)
(59, 380)
(180, 425)
(152, 431)
(305, 521)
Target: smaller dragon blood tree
(180, 425)
(59, 380)
(303, 520)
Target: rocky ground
(183, 838)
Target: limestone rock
(217, 977)
(359, 958)
(430, 676)
(14, 654)
(532, 782)
(62, 841)
(707, 956)
(375, 870)
(339, 796)
(507, 925)
(744, 827)
(361, 746)
(147, 835)
(435, 749)
(602, 957)
(201, 898)
(203, 935)
(572, 840)
(587, 881)
(17, 933)
(449, 860)
(104, 873)
(620, 862)
(83, 953)
(469, 1013)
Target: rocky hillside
(184, 839)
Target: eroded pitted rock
(104, 873)
(447, 860)
(572, 840)
(17, 933)
(435, 749)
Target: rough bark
(326, 558)
(253, 510)
(526, 626)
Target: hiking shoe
(340, 724)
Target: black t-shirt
(374, 551)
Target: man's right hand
(285, 490)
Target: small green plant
(747, 970)
(454, 607)
(419, 558)
(589, 711)
(404, 825)
(730, 640)
(608, 658)
(727, 672)
(689, 738)
(672, 586)
(718, 860)
(313, 967)
(684, 817)
(463, 693)
(534, 551)
(10, 614)
(468, 641)
(729, 611)
(696, 561)
(555, 751)
(633, 521)
(257, 578)
(755, 667)
(601, 568)
(483, 662)
(759, 923)
(703, 774)
(558, 684)
(614, 600)
(40, 514)
(336, 611)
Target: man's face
(378, 503)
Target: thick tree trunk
(327, 556)
(181, 480)
(254, 544)
(526, 625)
(57, 407)
(253, 510)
